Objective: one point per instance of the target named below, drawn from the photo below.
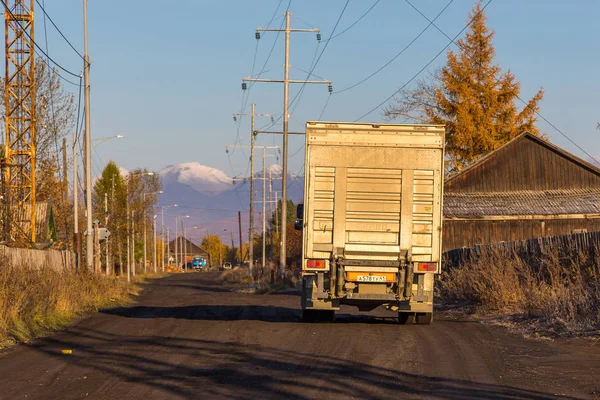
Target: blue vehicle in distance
(198, 263)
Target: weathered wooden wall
(461, 233)
(31, 258)
(525, 164)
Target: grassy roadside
(549, 295)
(34, 302)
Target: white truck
(371, 218)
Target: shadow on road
(211, 312)
(264, 313)
(196, 368)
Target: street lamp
(131, 227)
(162, 222)
(178, 248)
(104, 139)
(145, 261)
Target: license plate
(371, 278)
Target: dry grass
(35, 301)
(262, 282)
(561, 294)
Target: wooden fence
(31, 258)
(531, 250)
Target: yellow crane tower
(19, 146)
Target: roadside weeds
(37, 301)
(547, 296)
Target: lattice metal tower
(19, 100)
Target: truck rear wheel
(405, 318)
(309, 315)
(326, 315)
(318, 315)
(424, 318)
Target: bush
(562, 291)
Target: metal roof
(524, 202)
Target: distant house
(526, 188)
(186, 248)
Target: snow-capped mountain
(200, 177)
(212, 199)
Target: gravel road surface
(188, 336)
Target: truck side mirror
(300, 211)
(298, 225)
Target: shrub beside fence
(552, 280)
(59, 260)
(531, 250)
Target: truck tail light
(315, 264)
(427, 267)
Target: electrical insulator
(227, 151)
(319, 37)
(257, 35)
(272, 120)
(234, 118)
(330, 88)
(244, 86)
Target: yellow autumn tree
(478, 104)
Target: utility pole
(106, 226)
(88, 140)
(271, 214)
(252, 178)
(96, 248)
(66, 191)
(240, 229)
(112, 204)
(128, 234)
(76, 236)
(145, 260)
(133, 243)
(168, 248)
(264, 209)
(252, 115)
(286, 81)
(176, 258)
(154, 253)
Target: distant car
(226, 265)
(198, 263)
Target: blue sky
(167, 74)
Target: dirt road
(190, 337)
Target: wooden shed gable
(525, 163)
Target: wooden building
(188, 248)
(526, 188)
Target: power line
(59, 31)
(355, 22)
(58, 73)
(246, 93)
(518, 97)
(398, 54)
(298, 95)
(301, 91)
(324, 107)
(55, 134)
(33, 41)
(426, 65)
